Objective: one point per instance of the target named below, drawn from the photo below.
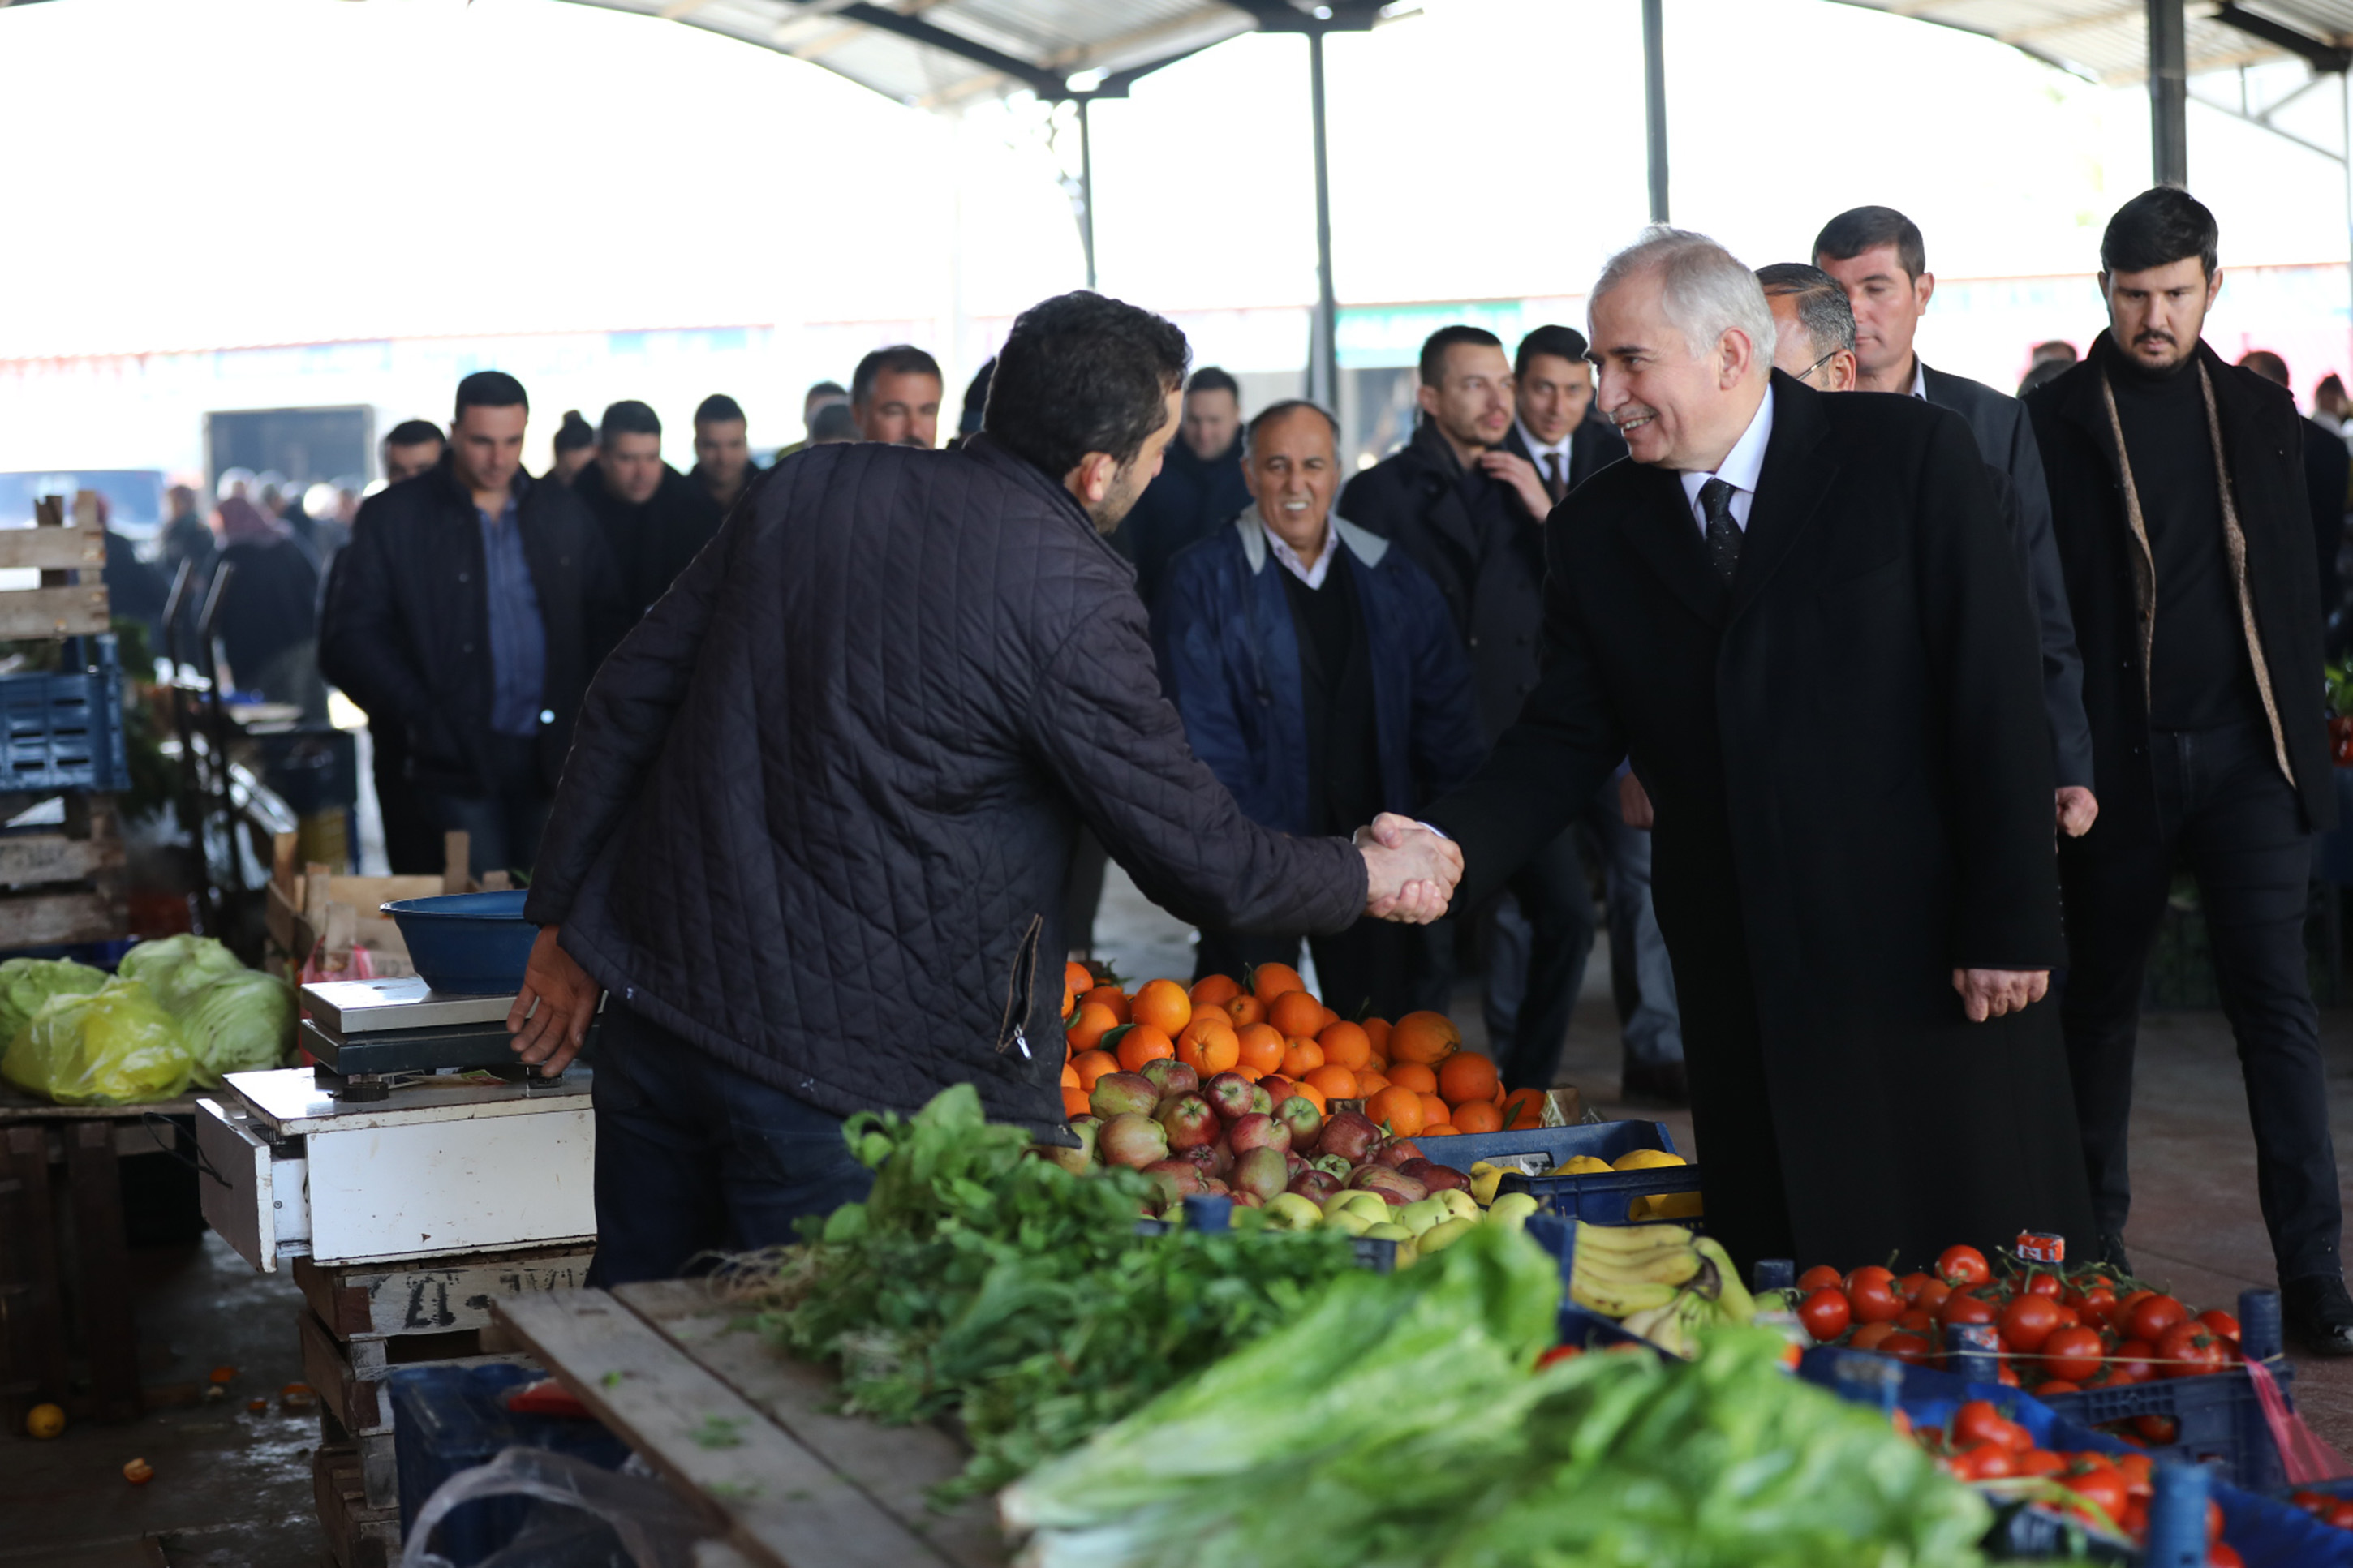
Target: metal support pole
(1087, 195)
(2168, 92)
(1323, 360)
(1654, 99)
(2345, 105)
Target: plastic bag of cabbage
(27, 983)
(235, 1019)
(1401, 1422)
(115, 1046)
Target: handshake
(1410, 871)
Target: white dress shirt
(1537, 451)
(1739, 470)
(1289, 558)
(1919, 379)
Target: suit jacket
(652, 540)
(2261, 435)
(1188, 500)
(2327, 471)
(1593, 445)
(2005, 438)
(1853, 799)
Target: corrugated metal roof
(2107, 40)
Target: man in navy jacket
(1320, 678)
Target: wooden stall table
(681, 1376)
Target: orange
(1443, 1130)
(1208, 1045)
(1523, 1109)
(1252, 1074)
(1333, 1081)
(1377, 1031)
(1090, 1066)
(1330, 1018)
(1143, 1044)
(1247, 1009)
(1113, 997)
(1269, 981)
(1314, 1096)
(1070, 1076)
(1301, 1057)
(1466, 1074)
(1370, 1083)
(1074, 1103)
(1162, 1004)
(1345, 1045)
(1215, 991)
(1299, 1016)
(1415, 1077)
(1258, 1046)
(1400, 1110)
(1434, 1112)
(1077, 977)
(1425, 1038)
(1094, 1022)
(1477, 1116)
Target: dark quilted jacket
(823, 797)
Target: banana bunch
(1711, 1297)
(1623, 1269)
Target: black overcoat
(1848, 757)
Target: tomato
(2070, 1319)
(2008, 1375)
(2119, 1315)
(2139, 1473)
(2050, 1388)
(1959, 1266)
(1826, 1313)
(2132, 1360)
(1868, 1271)
(2158, 1428)
(1976, 1421)
(2213, 1522)
(1870, 1336)
(2340, 1514)
(2187, 1349)
(1962, 1307)
(1908, 1347)
(1820, 1276)
(1871, 1293)
(1916, 1322)
(2135, 1523)
(1932, 1294)
(2101, 1485)
(2040, 1284)
(2095, 1304)
(2029, 1321)
(2311, 1501)
(2073, 1354)
(2221, 1324)
(2041, 1462)
(2222, 1554)
(1909, 1286)
(2153, 1316)
(1985, 1462)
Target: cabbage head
(240, 1023)
(177, 969)
(115, 1046)
(27, 983)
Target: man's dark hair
(490, 389)
(1561, 342)
(717, 409)
(1274, 411)
(575, 432)
(628, 417)
(1822, 307)
(1434, 347)
(825, 389)
(975, 398)
(1209, 378)
(1859, 229)
(1082, 373)
(2330, 385)
(2265, 363)
(2163, 225)
(415, 433)
(899, 359)
(834, 422)
(2058, 349)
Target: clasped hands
(1411, 872)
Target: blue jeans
(695, 1158)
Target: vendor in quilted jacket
(810, 842)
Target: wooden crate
(64, 886)
(311, 911)
(361, 1534)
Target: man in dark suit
(1877, 254)
(2186, 533)
(1200, 488)
(2328, 470)
(1799, 615)
(1470, 511)
(655, 520)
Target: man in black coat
(466, 615)
(723, 468)
(1879, 257)
(1200, 488)
(2178, 488)
(813, 835)
(654, 518)
(1801, 616)
(1470, 511)
(2327, 471)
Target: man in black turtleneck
(2179, 502)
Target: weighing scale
(365, 1033)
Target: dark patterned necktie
(1722, 533)
(1555, 486)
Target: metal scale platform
(365, 1032)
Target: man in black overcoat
(1799, 615)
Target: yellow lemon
(1666, 1205)
(45, 1421)
(1647, 1160)
(1583, 1165)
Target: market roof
(2107, 40)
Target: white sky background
(216, 172)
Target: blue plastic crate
(2221, 1421)
(64, 730)
(451, 1418)
(1602, 1198)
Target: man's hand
(1411, 872)
(1990, 993)
(1633, 800)
(1521, 475)
(551, 1014)
(2078, 809)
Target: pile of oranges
(1413, 1076)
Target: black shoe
(1655, 1083)
(2318, 1314)
(2111, 1251)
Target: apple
(1131, 1139)
(1123, 1094)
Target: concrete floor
(233, 1489)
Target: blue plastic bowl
(474, 944)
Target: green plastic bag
(27, 983)
(234, 1019)
(112, 1047)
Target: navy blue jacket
(1229, 661)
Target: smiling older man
(1800, 617)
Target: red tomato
(1962, 1307)
(2158, 1428)
(1909, 1286)
(1908, 1347)
(1871, 1293)
(2041, 1462)
(2134, 1521)
(2119, 1316)
(2312, 1502)
(1985, 1462)
(2007, 1375)
(2213, 1522)
(2221, 1324)
(2050, 1388)
(1870, 1336)
(2095, 1305)
(1820, 1276)
(2340, 1514)
(2101, 1484)
(1976, 1421)
(1916, 1322)
(2131, 1361)
(1868, 1271)
(1826, 1313)
(2187, 1349)
(2040, 1284)
(2222, 1554)
(1959, 1266)
(2029, 1321)
(1932, 1294)
(2153, 1316)
(2070, 1319)
(2139, 1470)
(2073, 1354)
